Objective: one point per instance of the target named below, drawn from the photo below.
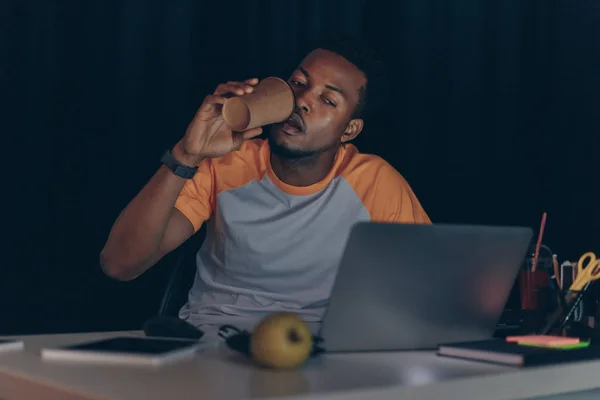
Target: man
(279, 211)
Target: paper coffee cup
(271, 101)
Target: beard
(288, 152)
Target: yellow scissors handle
(587, 271)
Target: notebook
(125, 350)
(499, 351)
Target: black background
(494, 119)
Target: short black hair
(364, 57)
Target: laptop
(413, 287)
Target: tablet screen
(133, 345)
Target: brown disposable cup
(271, 101)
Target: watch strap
(179, 169)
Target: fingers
(236, 88)
(225, 90)
(240, 137)
(210, 101)
(251, 133)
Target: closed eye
(329, 102)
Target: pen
(556, 284)
(555, 269)
(575, 305)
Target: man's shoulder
(247, 157)
(252, 146)
(248, 152)
(384, 191)
(237, 168)
(368, 167)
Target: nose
(303, 107)
(303, 101)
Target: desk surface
(218, 373)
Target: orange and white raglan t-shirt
(274, 247)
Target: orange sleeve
(396, 199)
(385, 193)
(196, 200)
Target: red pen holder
(534, 288)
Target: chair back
(182, 277)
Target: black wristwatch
(178, 168)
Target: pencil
(539, 242)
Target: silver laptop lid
(402, 286)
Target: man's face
(327, 92)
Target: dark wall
(494, 119)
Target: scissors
(588, 270)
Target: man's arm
(148, 228)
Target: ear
(352, 130)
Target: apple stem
(294, 337)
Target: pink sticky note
(543, 339)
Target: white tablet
(125, 350)
(7, 345)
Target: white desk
(219, 373)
